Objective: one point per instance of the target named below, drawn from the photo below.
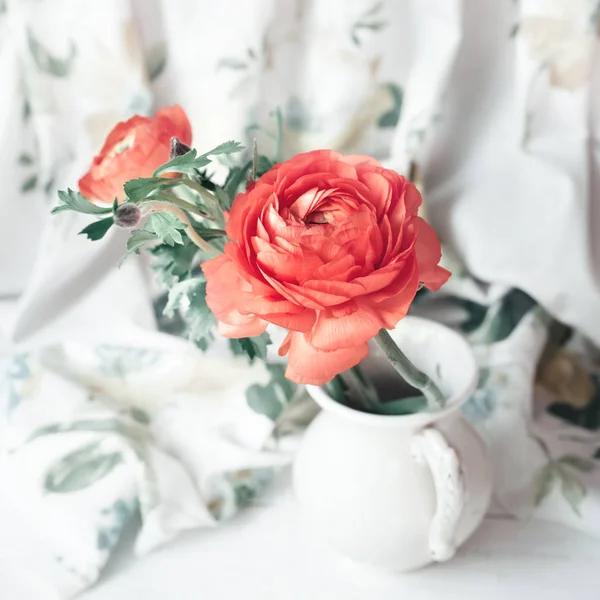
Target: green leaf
(572, 490)
(179, 292)
(157, 60)
(29, 184)
(585, 465)
(543, 482)
(97, 230)
(173, 263)
(199, 317)
(271, 399)
(403, 406)
(26, 159)
(80, 469)
(253, 347)
(47, 63)
(391, 117)
(167, 227)
(190, 162)
(264, 401)
(223, 197)
(139, 238)
(143, 188)
(76, 202)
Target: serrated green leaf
(572, 489)
(76, 202)
(223, 197)
(139, 238)
(157, 60)
(48, 63)
(199, 317)
(190, 162)
(143, 188)
(80, 469)
(173, 263)
(97, 230)
(543, 482)
(253, 347)
(585, 465)
(167, 227)
(179, 292)
(29, 184)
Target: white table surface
(266, 553)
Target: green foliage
(190, 162)
(97, 230)
(74, 201)
(174, 263)
(188, 297)
(80, 469)
(167, 227)
(47, 63)
(147, 187)
(271, 399)
(553, 473)
(253, 347)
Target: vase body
(398, 492)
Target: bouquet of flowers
(328, 247)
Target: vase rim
(414, 420)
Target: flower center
(123, 145)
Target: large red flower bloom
(134, 148)
(329, 247)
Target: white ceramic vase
(398, 492)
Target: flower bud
(127, 215)
(177, 148)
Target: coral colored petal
(250, 328)
(179, 123)
(309, 366)
(353, 329)
(429, 253)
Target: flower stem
(158, 206)
(408, 371)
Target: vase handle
(429, 447)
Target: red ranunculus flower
(329, 247)
(134, 148)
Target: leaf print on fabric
(119, 361)
(557, 471)
(46, 62)
(368, 21)
(114, 520)
(391, 117)
(80, 469)
(482, 403)
(543, 483)
(157, 60)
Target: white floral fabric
(491, 105)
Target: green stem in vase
(408, 371)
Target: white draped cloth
(495, 104)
